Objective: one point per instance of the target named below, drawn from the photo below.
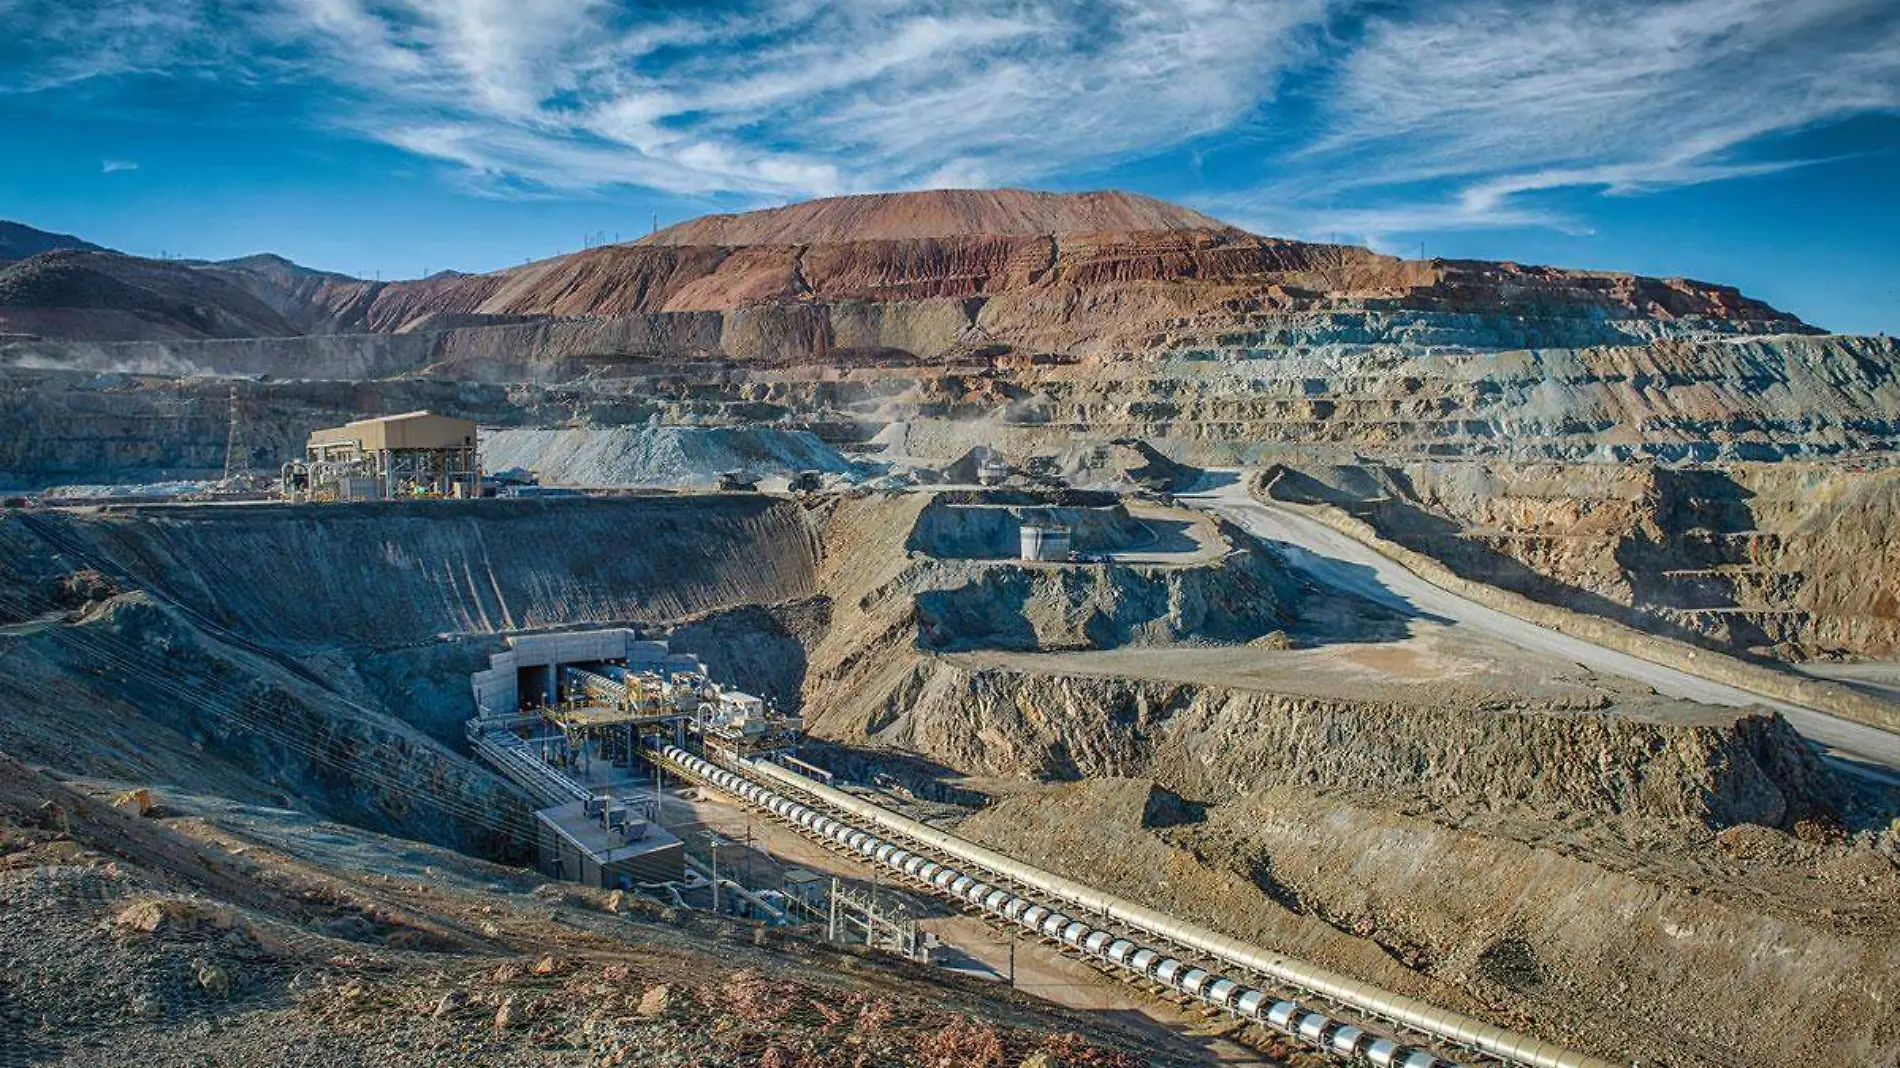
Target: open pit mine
(955, 628)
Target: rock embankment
(382, 574)
(1216, 743)
(130, 690)
(1101, 606)
(1660, 957)
(989, 526)
(1786, 560)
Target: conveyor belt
(1120, 934)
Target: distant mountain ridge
(98, 295)
(1074, 273)
(937, 213)
(19, 241)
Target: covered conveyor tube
(1364, 997)
(1119, 949)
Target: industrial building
(607, 843)
(566, 717)
(1045, 541)
(415, 454)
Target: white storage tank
(1045, 541)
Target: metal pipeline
(1363, 997)
(1122, 952)
(772, 912)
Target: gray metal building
(581, 842)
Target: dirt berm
(1761, 678)
(387, 574)
(1214, 743)
(1747, 947)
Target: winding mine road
(1345, 563)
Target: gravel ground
(234, 937)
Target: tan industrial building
(415, 454)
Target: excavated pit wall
(318, 655)
(85, 427)
(1214, 743)
(378, 575)
(982, 530)
(1786, 560)
(875, 679)
(1098, 606)
(130, 690)
(894, 597)
(1633, 965)
(1218, 394)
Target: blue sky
(1753, 142)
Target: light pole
(659, 790)
(712, 844)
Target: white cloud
(1431, 115)
(791, 99)
(1504, 99)
(52, 43)
(773, 99)
(115, 166)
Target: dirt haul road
(1342, 562)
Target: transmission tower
(234, 467)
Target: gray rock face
(84, 418)
(1792, 560)
(136, 692)
(1216, 743)
(1003, 606)
(378, 575)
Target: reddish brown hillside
(1187, 269)
(1047, 272)
(936, 213)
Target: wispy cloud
(1499, 100)
(115, 166)
(769, 100)
(54, 43)
(796, 98)
(1369, 118)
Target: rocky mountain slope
(1034, 271)
(940, 213)
(19, 241)
(106, 295)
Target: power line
(161, 675)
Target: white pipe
(772, 911)
(1145, 962)
(1413, 1012)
